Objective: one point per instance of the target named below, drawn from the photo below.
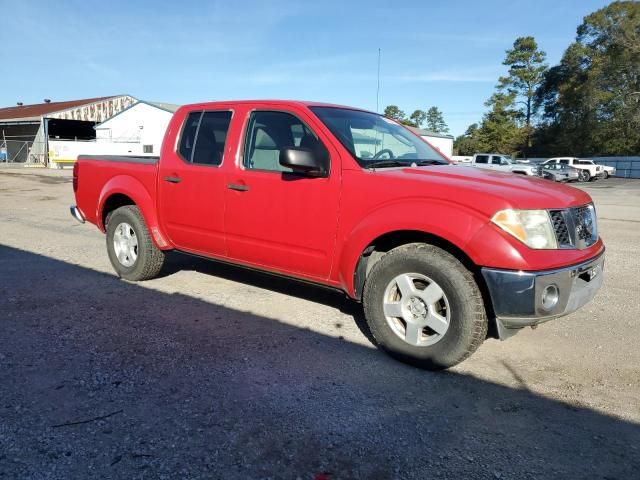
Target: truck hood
(484, 190)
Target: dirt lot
(216, 372)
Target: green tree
(417, 118)
(526, 72)
(467, 143)
(394, 113)
(591, 100)
(500, 130)
(435, 121)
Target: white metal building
(27, 130)
(142, 126)
(137, 130)
(441, 141)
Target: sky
(443, 53)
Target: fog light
(550, 297)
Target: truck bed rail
(121, 158)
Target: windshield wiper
(423, 163)
(399, 163)
(387, 163)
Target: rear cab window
(203, 137)
(482, 159)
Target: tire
(466, 328)
(145, 259)
(605, 175)
(584, 176)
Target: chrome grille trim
(575, 227)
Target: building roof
(34, 112)
(169, 107)
(428, 133)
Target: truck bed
(97, 172)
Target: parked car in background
(559, 172)
(501, 163)
(461, 159)
(589, 171)
(607, 170)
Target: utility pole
(378, 88)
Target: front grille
(560, 228)
(575, 227)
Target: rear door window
(482, 159)
(204, 137)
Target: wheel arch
(125, 190)
(383, 243)
(113, 202)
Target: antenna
(378, 88)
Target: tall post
(378, 87)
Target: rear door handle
(239, 188)
(172, 179)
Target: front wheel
(605, 175)
(424, 307)
(131, 250)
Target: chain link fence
(23, 151)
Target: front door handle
(172, 179)
(239, 188)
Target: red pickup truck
(441, 256)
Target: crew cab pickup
(441, 257)
(501, 163)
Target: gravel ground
(217, 372)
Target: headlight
(531, 227)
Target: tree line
(432, 118)
(588, 104)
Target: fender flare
(454, 223)
(143, 199)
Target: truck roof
(275, 102)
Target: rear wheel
(584, 175)
(131, 250)
(424, 307)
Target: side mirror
(303, 160)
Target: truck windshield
(376, 141)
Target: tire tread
(153, 261)
(411, 251)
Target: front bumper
(517, 296)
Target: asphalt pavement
(213, 371)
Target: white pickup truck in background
(502, 163)
(589, 171)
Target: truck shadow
(177, 261)
(193, 389)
